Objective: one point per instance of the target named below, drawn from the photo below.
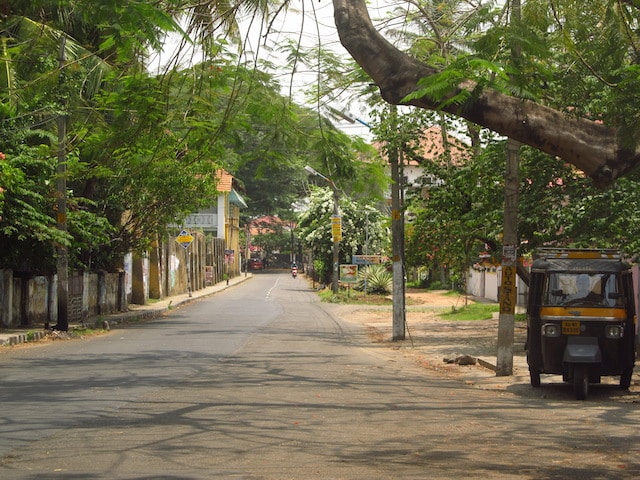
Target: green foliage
(574, 56)
(273, 241)
(142, 150)
(27, 226)
(443, 86)
(472, 311)
(322, 269)
(462, 214)
(328, 296)
(375, 279)
(455, 216)
(354, 297)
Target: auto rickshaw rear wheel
(534, 376)
(581, 381)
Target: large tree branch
(590, 146)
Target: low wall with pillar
(168, 269)
(31, 300)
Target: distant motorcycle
(294, 272)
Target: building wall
(485, 283)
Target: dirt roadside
(435, 343)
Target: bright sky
(309, 22)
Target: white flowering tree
(364, 229)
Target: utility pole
(397, 240)
(336, 233)
(508, 292)
(62, 262)
(397, 224)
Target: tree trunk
(592, 147)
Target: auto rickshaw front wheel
(581, 381)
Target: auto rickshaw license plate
(570, 327)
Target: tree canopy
(572, 93)
(141, 149)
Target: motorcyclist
(294, 270)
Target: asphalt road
(262, 382)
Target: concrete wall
(169, 270)
(6, 298)
(32, 300)
(485, 283)
(196, 266)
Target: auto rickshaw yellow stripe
(617, 313)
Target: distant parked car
(255, 264)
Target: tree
(142, 150)
(458, 210)
(479, 91)
(460, 215)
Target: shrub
(377, 278)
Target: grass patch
(453, 293)
(79, 332)
(353, 297)
(473, 311)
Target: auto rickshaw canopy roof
(579, 261)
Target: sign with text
(509, 253)
(185, 239)
(508, 290)
(366, 259)
(336, 228)
(348, 273)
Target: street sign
(336, 228)
(509, 253)
(184, 239)
(348, 273)
(508, 292)
(366, 259)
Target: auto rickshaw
(581, 320)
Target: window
(587, 289)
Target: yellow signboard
(336, 228)
(508, 290)
(184, 239)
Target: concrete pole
(336, 243)
(62, 262)
(508, 294)
(397, 240)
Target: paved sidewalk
(466, 351)
(135, 312)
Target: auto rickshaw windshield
(591, 289)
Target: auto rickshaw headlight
(614, 331)
(550, 330)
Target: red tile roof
(225, 180)
(431, 146)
